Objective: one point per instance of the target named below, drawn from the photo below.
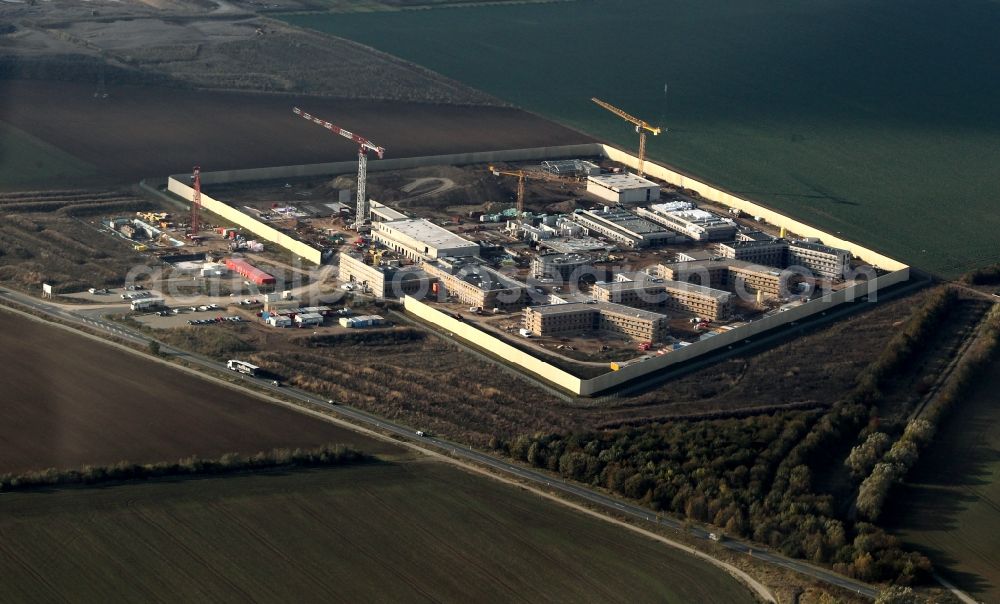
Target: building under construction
(477, 285)
(728, 274)
(652, 293)
(384, 281)
(584, 317)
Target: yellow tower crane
(522, 176)
(641, 127)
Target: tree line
(326, 455)
(753, 477)
(890, 466)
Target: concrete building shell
(623, 188)
(385, 281)
(728, 274)
(577, 317)
(661, 293)
(477, 285)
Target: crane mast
(641, 126)
(364, 146)
(196, 201)
(521, 176)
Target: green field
(950, 507)
(875, 119)
(26, 161)
(413, 532)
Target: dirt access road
(139, 132)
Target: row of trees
(725, 472)
(752, 477)
(904, 453)
(327, 455)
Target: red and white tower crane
(364, 146)
(196, 202)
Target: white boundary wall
(728, 199)
(637, 369)
(235, 216)
(495, 345)
(900, 272)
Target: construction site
(571, 255)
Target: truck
(242, 367)
(147, 303)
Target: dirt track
(68, 401)
(141, 132)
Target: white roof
(671, 206)
(425, 232)
(622, 182)
(308, 315)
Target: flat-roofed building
(662, 293)
(421, 239)
(770, 252)
(727, 274)
(383, 213)
(578, 317)
(821, 259)
(475, 284)
(689, 255)
(625, 228)
(623, 188)
(684, 218)
(385, 281)
(754, 235)
(562, 267)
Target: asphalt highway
(552, 483)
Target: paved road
(541, 479)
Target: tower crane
(195, 202)
(641, 126)
(522, 176)
(364, 146)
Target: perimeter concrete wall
(728, 199)
(899, 272)
(754, 328)
(403, 163)
(645, 367)
(495, 345)
(235, 216)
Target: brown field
(949, 506)
(393, 532)
(71, 401)
(143, 132)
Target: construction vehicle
(641, 126)
(364, 146)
